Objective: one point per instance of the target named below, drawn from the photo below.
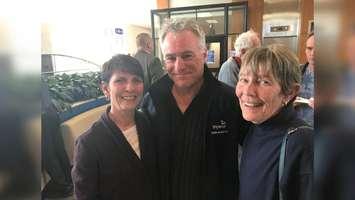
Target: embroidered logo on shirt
(219, 127)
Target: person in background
(196, 119)
(269, 81)
(55, 160)
(304, 103)
(230, 69)
(152, 67)
(115, 158)
(347, 90)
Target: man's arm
(228, 74)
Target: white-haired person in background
(230, 69)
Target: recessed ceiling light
(212, 21)
(204, 14)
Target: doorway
(216, 52)
(222, 23)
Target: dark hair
(121, 62)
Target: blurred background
(94, 31)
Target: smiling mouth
(184, 74)
(252, 105)
(129, 97)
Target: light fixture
(212, 21)
(204, 14)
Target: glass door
(222, 23)
(216, 52)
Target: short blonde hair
(277, 59)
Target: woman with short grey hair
(277, 160)
(280, 62)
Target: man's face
(184, 58)
(310, 50)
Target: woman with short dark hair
(115, 158)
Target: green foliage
(66, 89)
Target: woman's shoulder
(92, 133)
(296, 125)
(301, 135)
(298, 129)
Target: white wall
(87, 29)
(132, 32)
(94, 42)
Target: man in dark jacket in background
(197, 119)
(152, 67)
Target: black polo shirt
(198, 149)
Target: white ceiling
(135, 12)
(144, 18)
(183, 3)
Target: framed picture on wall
(310, 26)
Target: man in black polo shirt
(197, 119)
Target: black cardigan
(106, 167)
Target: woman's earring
(107, 98)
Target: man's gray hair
(180, 24)
(246, 40)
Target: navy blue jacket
(260, 159)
